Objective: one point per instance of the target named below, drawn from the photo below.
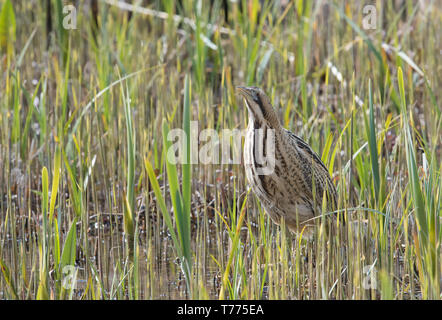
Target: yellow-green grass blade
(55, 182)
(7, 28)
(162, 205)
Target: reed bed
(90, 207)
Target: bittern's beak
(243, 91)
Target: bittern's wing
(317, 174)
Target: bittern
(295, 185)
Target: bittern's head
(259, 106)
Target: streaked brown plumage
(295, 188)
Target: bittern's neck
(267, 117)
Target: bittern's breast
(277, 191)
